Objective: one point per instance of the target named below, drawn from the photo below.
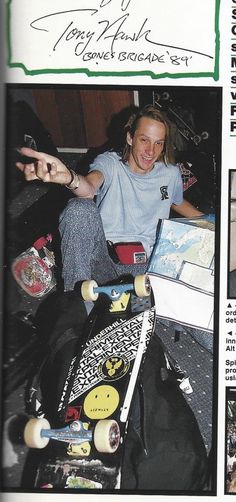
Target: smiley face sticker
(101, 402)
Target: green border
(214, 74)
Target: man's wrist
(74, 183)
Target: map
(185, 252)
(181, 270)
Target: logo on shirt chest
(164, 193)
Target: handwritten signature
(124, 4)
(105, 29)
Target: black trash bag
(169, 453)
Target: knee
(77, 208)
(76, 212)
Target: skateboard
(86, 450)
(33, 269)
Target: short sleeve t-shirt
(131, 204)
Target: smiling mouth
(147, 159)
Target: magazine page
(119, 232)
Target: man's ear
(129, 138)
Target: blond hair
(153, 113)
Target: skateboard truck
(105, 435)
(141, 285)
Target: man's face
(146, 145)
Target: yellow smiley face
(101, 402)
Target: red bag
(130, 252)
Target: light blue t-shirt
(131, 204)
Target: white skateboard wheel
(87, 290)
(197, 139)
(205, 135)
(32, 433)
(142, 285)
(106, 436)
(165, 96)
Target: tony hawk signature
(76, 30)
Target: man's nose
(150, 149)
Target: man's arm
(49, 169)
(186, 209)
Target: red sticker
(73, 413)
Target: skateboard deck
(33, 269)
(95, 405)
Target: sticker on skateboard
(120, 340)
